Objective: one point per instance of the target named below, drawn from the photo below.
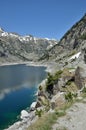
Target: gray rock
(33, 106)
(24, 114)
(80, 77)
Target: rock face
(80, 77)
(14, 47)
(74, 37)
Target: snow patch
(13, 35)
(4, 34)
(75, 56)
(24, 39)
(35, 39)
(47, 38)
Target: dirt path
(75, 119)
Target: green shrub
(75, 95)
(84, 90)
(38, 112)
(49, 83)
(69, 97)
(40, 88)
(51, 80)
(57, 75)
(83, 37)
(68, 82)
(66, 63)
(60, 113)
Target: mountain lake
(18, 86)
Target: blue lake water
(18, 85)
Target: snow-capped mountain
(16, 47)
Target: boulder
(58, 100)
(65, 77)
(24, 114)
(33, 106)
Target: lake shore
(18, 63)
(49, 66)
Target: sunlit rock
(24, 114)
(33, 106)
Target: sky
(41, 18)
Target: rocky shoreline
(26, 121)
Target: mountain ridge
(70, 41)
(14, 47)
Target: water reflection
(18, 84)
(15, 77)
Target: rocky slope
(73, 38)
(14, 48)
(71, 43)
